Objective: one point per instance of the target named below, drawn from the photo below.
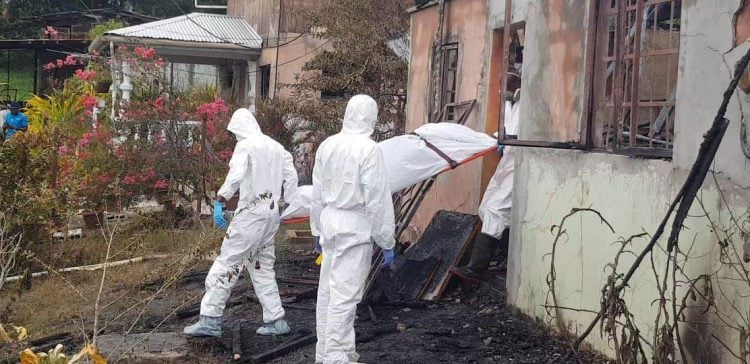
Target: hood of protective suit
(243, 124)
(361, 115)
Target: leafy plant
(99, 29)
(61, 112)
(27, 188)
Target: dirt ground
(462, 328)
(473, 327)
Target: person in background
(15, 121)
(351, 209)
(494, 209)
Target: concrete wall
(458, 190)
(292, 56)
(632, 193)
(704, 74)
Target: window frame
(619, 93)
(445, 70)
(587, 140)
(513, 140)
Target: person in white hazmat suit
(351, 208)
(494, 210)
(258, 168)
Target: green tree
(17, 17)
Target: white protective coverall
(259, 166)
(495, 207)
(351, 208)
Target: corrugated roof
(197, 27)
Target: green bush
(99, 29)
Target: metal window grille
(637, 50)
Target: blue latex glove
(318, 248)
(388, 257)
(219, 219)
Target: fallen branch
(299, 281)
(92, 267)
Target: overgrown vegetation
(99, 29)
(355, 59)
(19, 19)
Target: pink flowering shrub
(167, 151)
(85, 75)
(155, 146)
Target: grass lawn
(20, 75)
(65, 303)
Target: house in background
(615, 99)
(200, 49)
(287, 43)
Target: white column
(252, 71)
(115, 80)
(126, 87)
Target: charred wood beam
(294, 343)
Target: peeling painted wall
(632, 193)
(742, 24)
(707, 59)
(262, 15)
(553, 86)
(458, 190)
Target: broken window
(265, 81)
(637, 45)
(449, 83)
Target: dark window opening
(265, 81)
(508, 85)
(229, 77)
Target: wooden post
(202, 188)
(506, 60)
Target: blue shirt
(18, 121)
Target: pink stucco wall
(292, 57)
(466, 24)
